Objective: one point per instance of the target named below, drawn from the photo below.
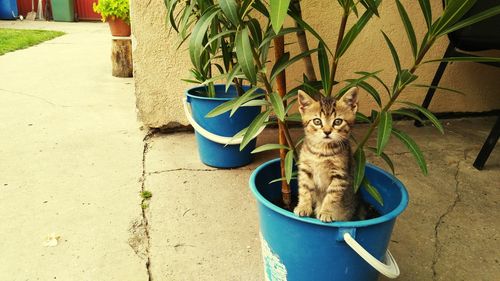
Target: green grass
(15, 39)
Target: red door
(85, 11)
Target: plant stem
(304, 47)
(335, 61)
(286, 193)
(269, 90)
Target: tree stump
(121, 57)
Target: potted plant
(296, 248)
(116, 13)
(211, 108)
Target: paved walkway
(73, 162)
(71, 158)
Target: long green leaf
(373, 191)
(427, 114)
(245, 56)
(413, 148)
(384, 131)
(278, 13)
(408, 27)
(405, 77)
(247, 96)
(253, 128)
(473, 19)
(394, 53)
(295, 117)
(294, 176)
(284, 31)
(384, 156)
(270, 146)
(225, 107)
(197, 36)
(453, 12)
(236, 70)
(426, 8)
(371, 5)
(354, 31)
(277, 104)
(289, 166)
(324, 67)
(372, 91)
(230, 8)
(359, 172)
(255, 31)
(282, 64)
(297, 18)
(407, 113)
(218, 36)
(360, 117)
(376, 78)
(466, 59)
(260, 7)
(438, 87)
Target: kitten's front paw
(303, 211)
(325, 216)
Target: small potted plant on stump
(116, 13)
(302, 248)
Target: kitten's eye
(337, 121)
(317, 121)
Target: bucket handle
(390, 269)
(211, 136)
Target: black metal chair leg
(435, 81)
(488, 146)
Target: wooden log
(121, 57)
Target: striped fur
(325, 163)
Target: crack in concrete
(35, 97)
(181, 169)
(197, 170)
(145, 220)
(437, 243)
(140, 240)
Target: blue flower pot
(213, 153)
(303, 249)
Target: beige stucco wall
(159, 66)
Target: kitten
(325, 165)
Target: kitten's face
(328, 120)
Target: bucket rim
(217, 86)
(349, 224)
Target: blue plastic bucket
(304, 249)
(218, 154)
(8, 9)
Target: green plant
(146, 194)
(113, 9)
(251, 45)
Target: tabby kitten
(325, 165)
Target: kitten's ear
(350, 99)
(304, 101)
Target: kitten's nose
(327, 133)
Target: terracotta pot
(118, 27)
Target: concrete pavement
(204, 223)
(73, 162)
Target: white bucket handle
(390, 269)
(211, 136)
